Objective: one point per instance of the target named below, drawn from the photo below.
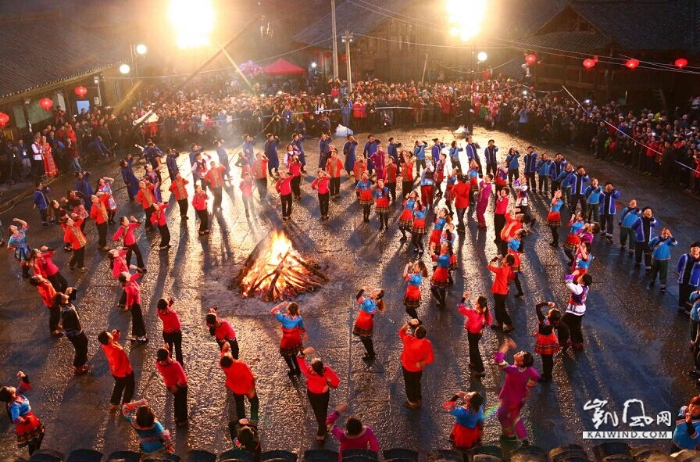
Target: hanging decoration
(530, 59)
(46, 104)
(327, 54)
(632, 63)
(81, 91)
(4, 118)
(343, 58)
(588, 63)
(680, 63)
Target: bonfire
(275, 271)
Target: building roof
(357, 18)
(41, 51)
(641, 25)
(577, 41)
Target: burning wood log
(275, 270)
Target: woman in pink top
(125, 233)
(355, 435)
(319, 380)
(478, 317)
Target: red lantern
(46, 104)
(588, 63)
(4, 118)
(530, 59)
(632, 63)
(681, 63)
(343, 58)
(81, 91)
(327, 54)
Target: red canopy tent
(283, 67)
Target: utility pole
(347, 38)
(335, 41)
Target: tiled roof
(583, 42)
(350, 16)
(649, 25)
(41, 51)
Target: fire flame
(278, 271)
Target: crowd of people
(439, 184)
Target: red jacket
(145, 197)
(215, 176)
(318, 383)
(126, 234)
(74, 235)
(98, 212)
(199, 201)
(119, 364)
(504, 274)
(461, 192)
(177, 187)
(334, 167)
(44, 265)
(247, 188)
(284, 186)
(391, 173)
(239, 377)
(47, 292)
(172, 372)
(321, 184)
(415, 351)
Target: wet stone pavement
(636, 345)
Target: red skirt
(29, 430)
(453, 262)
(366, 197)
(291, 343)
(440, 277)
(406, 218)
(554, 219)
(418, 226)
(465, 437)
(435, 238)
(364, 324)
(382, 205)
(412, 296)
(572, 241)
(546, 344)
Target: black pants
(180, 404)
(383, 220)
(174, 340)
(556, 185)
(138, 328)
(184, 206)
(517, 282)
(606, 223)
(235, 350)
(547, 366)
(319, 404)
(37, 169)
(80, 343)
(369, 345)
(392, 191)
(513, 174)
(490, 168)
(149, 211)
(555, 234)
(474, 353)
(122, 300)
(218, 196)
(530, 178)
(292, 363)
(43, 213)
(575, 199)
(203, 220)
(323, 200)
(406, 187)
(573, 322)
(102, 233)
(502, 316)
(335, 186)
(286, 205)
(296, 186)
(134, 248)
(460, 218)
(164, 235)
(413, 387)
(542, 183)
(78, 257)
(35, 444)
(58, 282)
(642, 248)
(417, 241)
(124, 385)
(261, 185)
(54, 318)
(684, 291)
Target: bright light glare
(313, 65)
(482, 56)
(193, 22)
(124, 68)
(141, 49)
(465, 17)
